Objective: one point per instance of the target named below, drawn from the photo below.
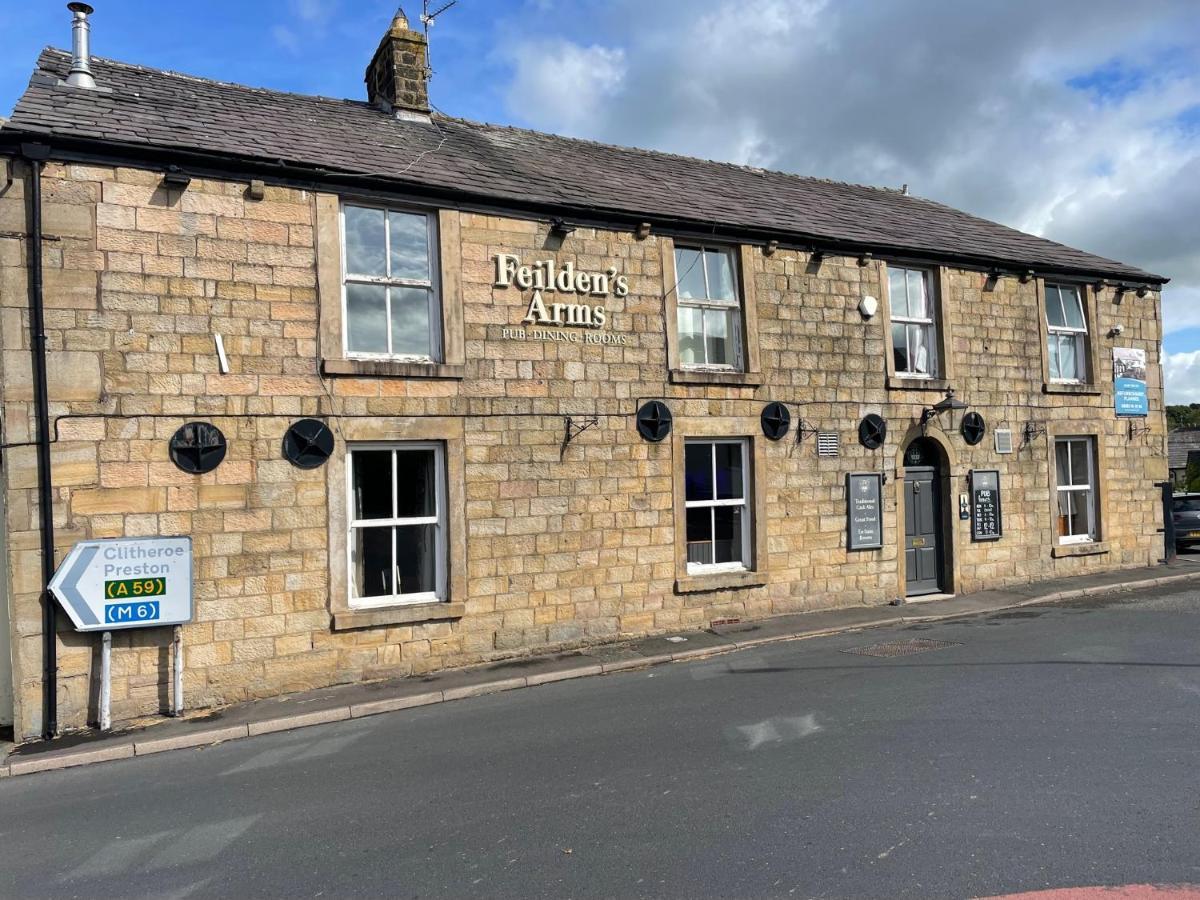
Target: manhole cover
(901, 648)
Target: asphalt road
(1047, 747)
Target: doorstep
(204, 728)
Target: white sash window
(710, 311)
(390, 294)
(717, 485)
(1066, 327)
(914, 327)
(397, 506)
(1075, 467)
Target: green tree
(1183, 416)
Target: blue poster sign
(1129, 382)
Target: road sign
(126, 583)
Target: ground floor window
(716, 480)
(1075, 465)
(397, 508)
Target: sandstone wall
(561, 546)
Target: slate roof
(150, 108)
(1180, 443)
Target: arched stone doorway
(926, 534)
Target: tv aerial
(429, 19)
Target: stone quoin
(248, 259)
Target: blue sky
(1078, 119)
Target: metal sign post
(106, 681)
(128, 583)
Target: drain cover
(901, 648)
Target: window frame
(734, 309)
(1090, 488)
(1058, 333)
(930, 324)
(439, 594)
(433, 285)
(745, 503)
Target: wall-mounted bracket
(1138, 428)
(1031, 432)
(804, 430)
(573, 428)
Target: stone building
(570, 392)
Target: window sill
(1084, 548)
(718, 581)
(389, 368)
(1065, 387)
(715, 376)
(906, 383)
(347, 619)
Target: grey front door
(922, 532)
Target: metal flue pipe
(81, 51)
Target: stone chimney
(398, 76)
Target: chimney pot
(398, 76)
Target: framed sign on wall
(864, 510)
(987, 519)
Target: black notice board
(987, 519)
(864, 510)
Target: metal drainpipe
(35, 154)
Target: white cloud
(1065, 118)
(316, 11)
(564, 82)
(1181, 373)
(286, 38)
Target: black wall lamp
(864, 259)
(642, 231)
(770, 248)
(949, 404)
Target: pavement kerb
(204, 738)
(208, 737)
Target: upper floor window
(391, 298)
(914, 323)
(1066, 327)
(716, 488)
(710, 313)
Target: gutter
(35, 155)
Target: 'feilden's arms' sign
(547, 276)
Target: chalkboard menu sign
(987, 523)
(864, 510)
